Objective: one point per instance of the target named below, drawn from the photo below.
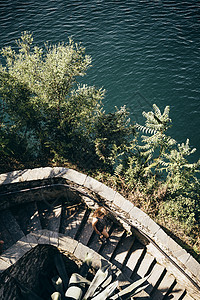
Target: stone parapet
(116, 202)
(47, 237)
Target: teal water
(144, 51)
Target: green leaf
(56, 296)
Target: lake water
(143, 51)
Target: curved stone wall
(124, 209)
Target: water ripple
(146, 46)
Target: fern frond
(157, 111)
(166, 112)
(145, 129)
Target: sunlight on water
(143, 51)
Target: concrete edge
(47, 237)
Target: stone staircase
(73, 219)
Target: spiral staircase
(58, 207)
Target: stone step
(27, 216)
(134, 257)
(87, 229)
(155, 279)
(50, 215)
(94, 242)
(71, 220)
(9, 229)
(146, 265)
(122, 251)
(187, 297)
(177, 292)
(164, 287)
(108, 250)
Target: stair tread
(122, 251)
(177, 291)
(136, 253)
(9, 228)
(50, 216)
(112, 243)
(153, 279)
(187, 297)
(27, 217)
(71, 222)
(164, 286)
(145, 264)
(87, 231)
(54, 219)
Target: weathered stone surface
(119, 201)
(59, 171)
(177, 292)
(29, 175)
(152, 226)
(93, 184)
(53, 238)
(121, 253)
(4, 265)
(89, 202)
(13, 254)
(188, 297)
(133, 261)
(162, 237)
(67, 243)
(23, 245)
(81, 251)
(172, 245)
(11, 177)
(71, 223)
(166, 283)
(107, 193)
(46, 172)
(138, 214)
(87, 231)
(112, 243)
(26, 241)
(182, 255)
(37, 234)
(74, 176)
(32, 240)
(127, 206)
(44, 238)
(193, 265)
